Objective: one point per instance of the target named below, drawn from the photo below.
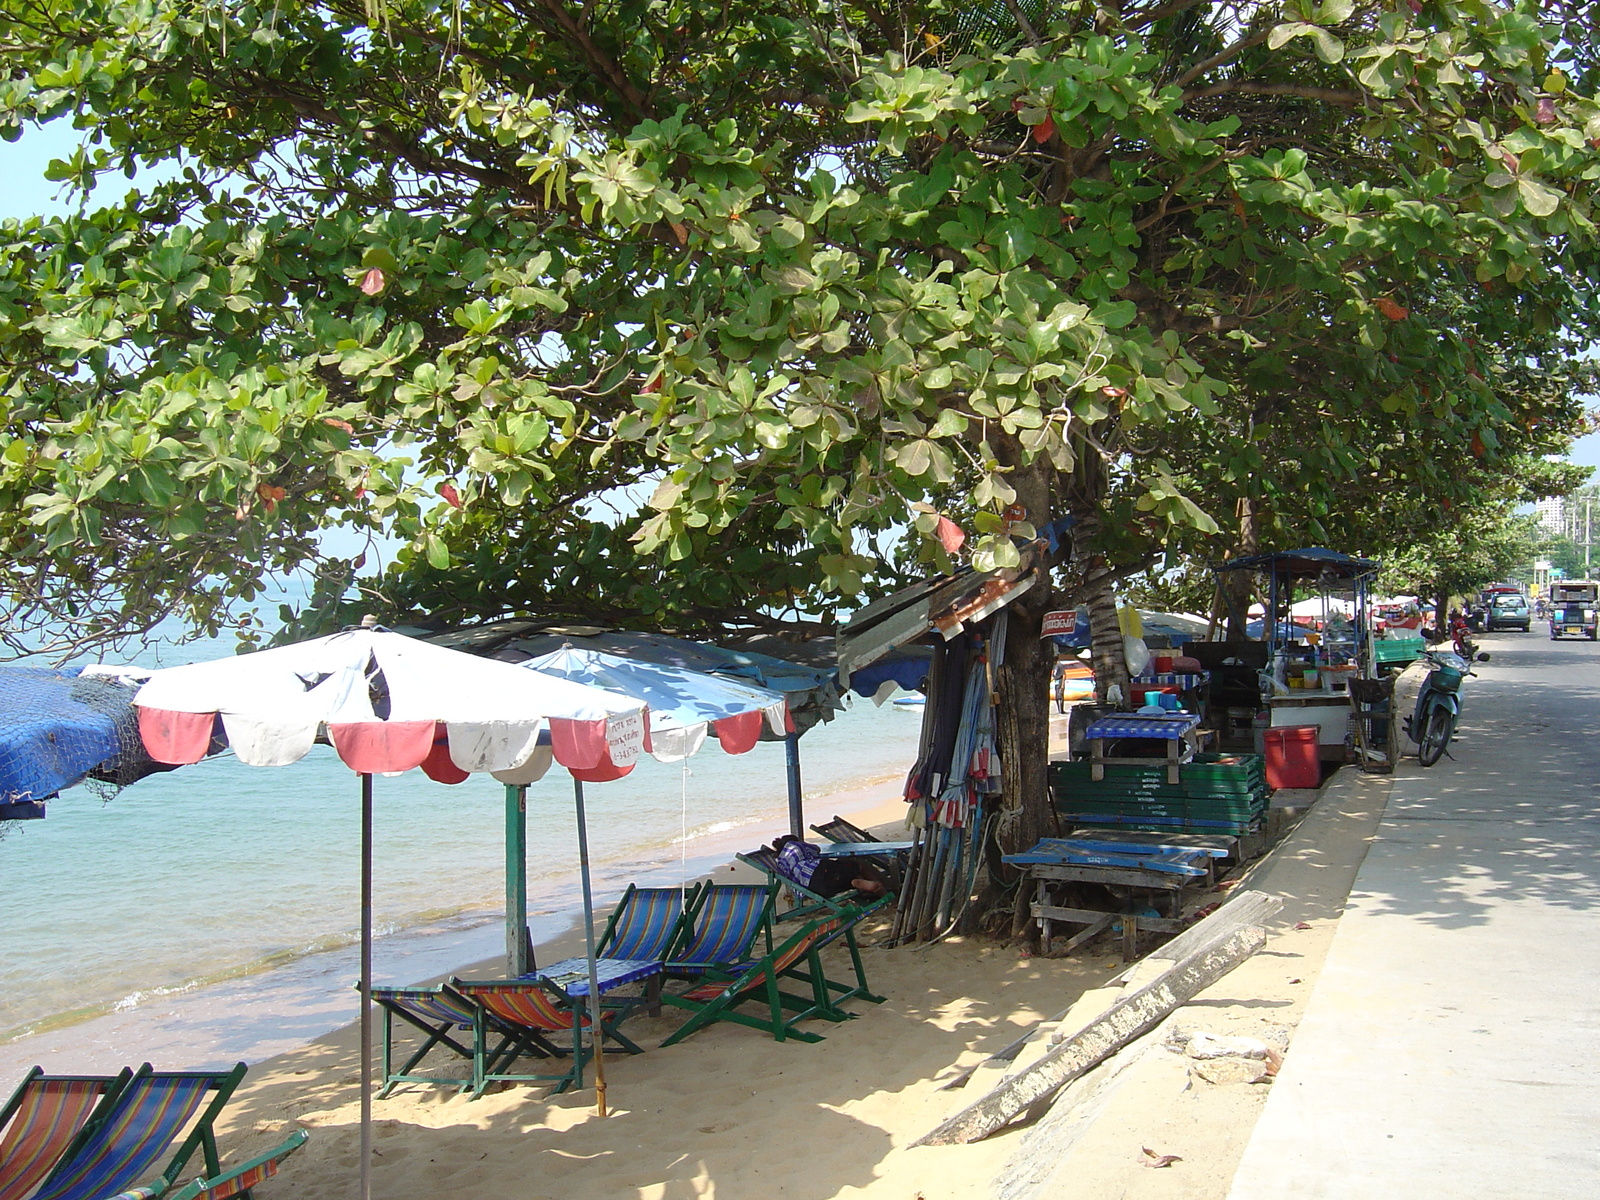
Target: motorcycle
(1461, 638)
(1430, 690)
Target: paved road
(1451, 1047)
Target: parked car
(1508, 610)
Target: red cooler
(1291, 753)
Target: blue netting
(57, 729)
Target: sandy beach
(729, 1112)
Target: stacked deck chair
(722, 928)
(241, 1179)
(146, 1115)
(797, 958)
(516, 1015)
(43, 1118)
(439, 1013)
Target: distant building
(1552, 514)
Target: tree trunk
(1105, 637)
(1022, 698)
(1238, 585)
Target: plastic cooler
(1291, 754)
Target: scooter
(1430, 689)
(1461, 638)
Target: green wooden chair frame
(798, 957)
(548, 1011)
(412, 1005)
(241, 1179)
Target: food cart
(1308, 671)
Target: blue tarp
(49, 737)
(678, 698)
(812, 692)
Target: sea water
(236, 888)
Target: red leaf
(1512, 162)
(338, 424)
(681, 232)
(270, 495)
(373, 282)
(451, 496)
(1545, 113)
(1016, 104)
(1390, 309)
(1415, 5)
(951, 536)
(1160, 1160)
(1044, 130)
(1478, 447)
(653, 386)
(1115, 393)
(1301, 925)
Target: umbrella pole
(519, 959)
(797, 816)
(366, 987)
(596, 1033)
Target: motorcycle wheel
(1435, 736)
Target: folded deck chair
(149, 1112)
(43, 1118)
(646, 922)
(241, 1179)
(515, 1015)
(722, 928)
(797, 958)
(437, 1012)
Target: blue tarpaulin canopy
(55, 728)
(683, 703)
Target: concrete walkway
(1451, 1047)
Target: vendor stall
(1308, 671)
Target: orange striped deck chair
(516, 1014)
(796, 958)
(41, 1121)
(241, 1179)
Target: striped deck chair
(645, 922)
(519, 1013)
(43, 1118)
(240, 1180)
(722, 928)
(148, 1114)
(437, 1012)
(719, 998)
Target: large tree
(676, 312)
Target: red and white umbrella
(387, 703)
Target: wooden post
(1120, 1024)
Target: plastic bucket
(1291, 754)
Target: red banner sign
(1063, 620)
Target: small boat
(913, 701)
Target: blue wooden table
(571, 975)
(1175, 729)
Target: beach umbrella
(811, 690)
(685, 708)
(386, 703)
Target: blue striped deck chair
(149, 1113)
(436, 1012)
(722, 928)
(646, 922)
(241, 1179)
(42, 1120)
